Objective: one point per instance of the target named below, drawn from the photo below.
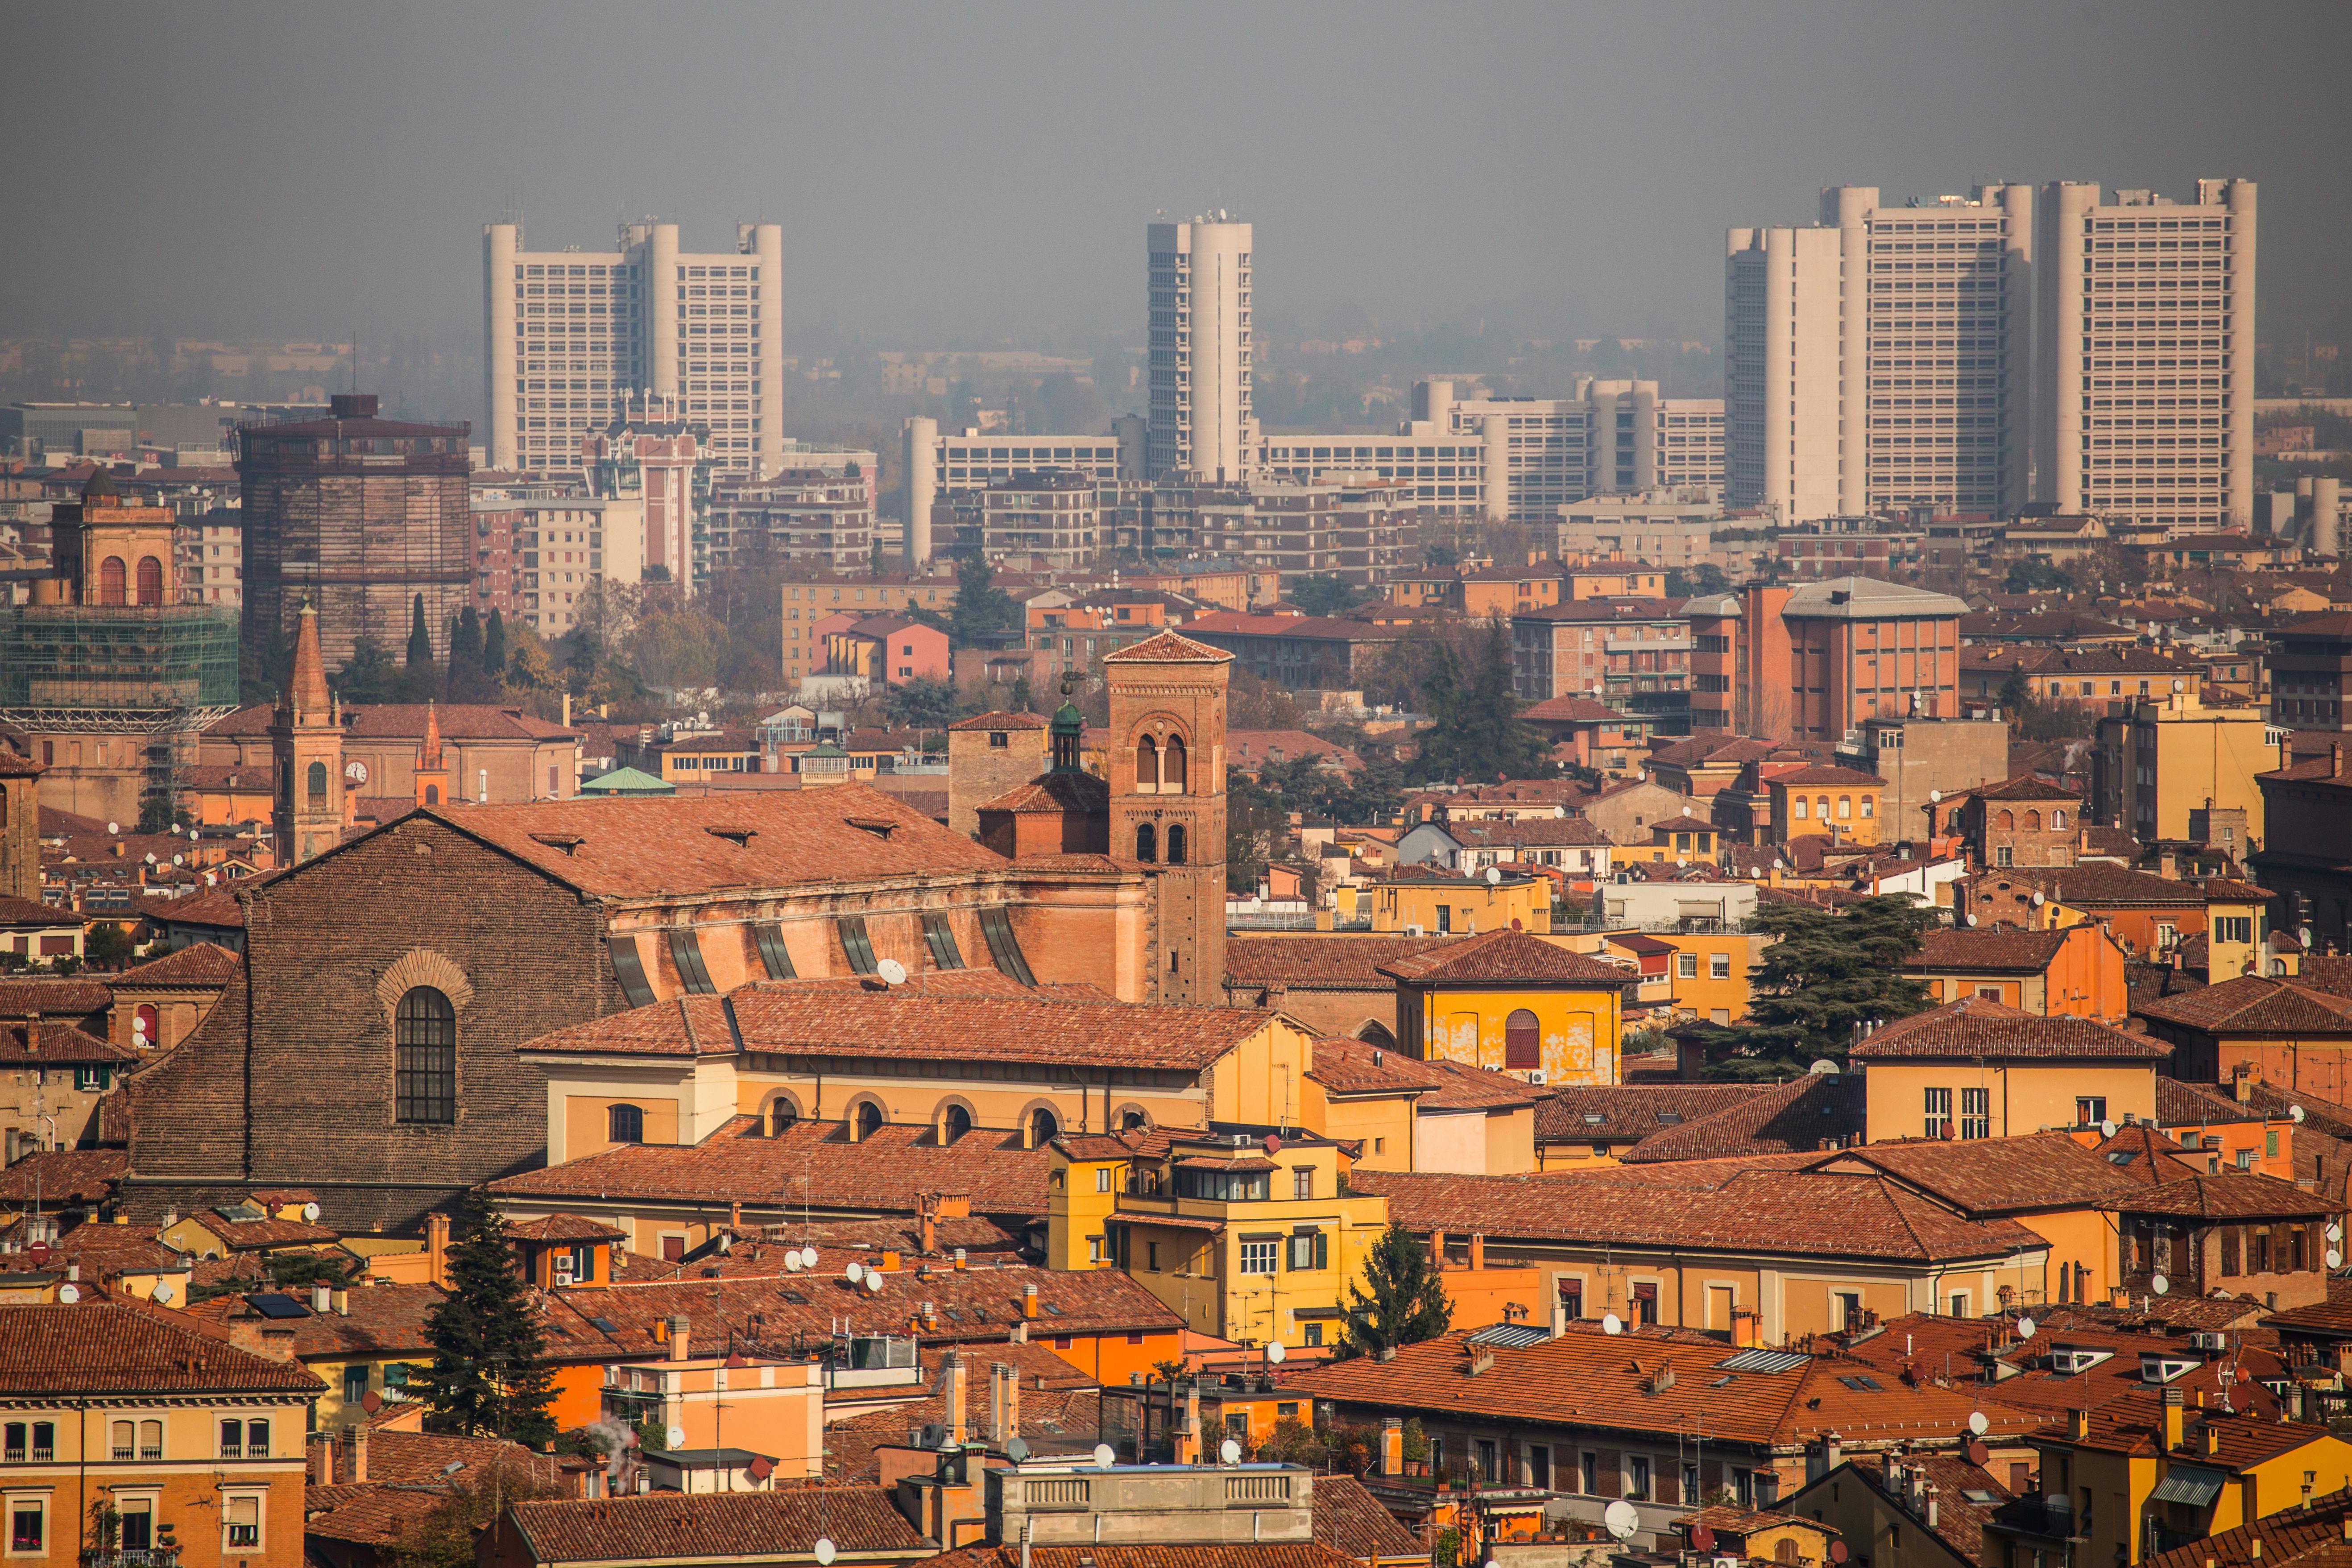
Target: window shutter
(1322, 1250)
(773, 955)
(855, 944)
(686, 951)
(630, 970)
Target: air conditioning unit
(1538, 1076)
(563, 1270)
(1412, 931)
(2208, 1341)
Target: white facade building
(572, 338)
(939, 465)
(1201, 419)
(1880, 359)
(2144, 393)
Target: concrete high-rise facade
(1201, 420)
(2144, 398)
(573, 341)
(1880, 359)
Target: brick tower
(1166, 759)
(20, 828)
(306, 742)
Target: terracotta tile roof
(2255, 1004)
(1053, 795)
(1527, 831)
(1060, 1409)
(213, 907)
(1990, 1352)
(1345, 1065)
(1711, 753)
(1828, 777)
(2242, 1196)
(1000, 719)
(198, 964)
(1354, 1523)
(33, 1045)
(1324, 961)
(64, 1175)
(72, 998)
(1590, 1380)
(1959, 1521)
(2095, 885)
(2133, 1424)
(1255, 1554)
(107, 1252)
(365, 1513)
(1987, 1176)
(121, 1347)
(1994, 949)
(632, 848)
(24, 914)
(910, 1023)
(667, 1527)
(881, 1173)
(757, 1249)
(2312, 1536)
(1621, 1114)
(1785, 1119)
(457, 722)
(1168, 648)
(1975, 1026)
(564, 1227)
(1500, 955)
(2179, 1104)
(384, 1318)
(1797, 1213)
(1460, 1086)
(260, 1234)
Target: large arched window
(145, 1024)
(1171, 766)
(1147, 765)
(151, 580)
(318, 781)
(1522, 1040)
(866, 1119)
(2004, 822)
(2033, 822)
(433, 794)
(425, 1057)
(625, 1124)
(1175, 844)
(954, 1122)
(781, 1117)
(1044, 1127)
(109, 581)
(2057, 820)
(1147, 841)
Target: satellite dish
(1275, 1352)
(1837, 1551)
(1493, 875)
(309, 1214)
(853, 1273)
(2106, 1129)
(1934, 796)
(1104, 1457)
(115, 827)
(2024, 1327)
(892, 971)
(69, 1294)
(164, 1292)
(1703, 1538)
(2335, 1231)
(1016, 1448)
(150, 857)
(1621, 1518)
(1779, 863)
(1613, 1324)
(825, 1550)
(2294, 1114)
(175, 859)
(2159, 1284)
(1976, 1422)
(1823, 1068)
(2037, 900)
(792, 1260)
(808, 1257)
(2334, 1259)
(677, 1435)
(1972, 920)
(873, 1282)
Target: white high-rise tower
(1201, 420)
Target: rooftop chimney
(357, 1440)
(1029, 1299)
(2174, 1414)
(681, 1328)
(952, 1376)
(436, 1249)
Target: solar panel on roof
(272, 1304)
(796, 1298)
(1763, 1360)
(1510, 1336)
(1051, 1307)
(604, 1325)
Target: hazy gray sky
(984, 171)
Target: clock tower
(1166, 762)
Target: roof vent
(569, 843)
(738, 837)
(880, 826)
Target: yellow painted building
(1709, 972)
(2149, 1472)
(1253, 1238)
(1514, 1002)
(1842, 803)
(1974, 1068)
(2168, 754)
(1416, 899)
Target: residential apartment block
(574, 340)
(942, 464)
(1815, 662)
(2144, 390)
(818, 507)
(1917, 320)
(1361, 531)
(1632, 654)
(1201, 420)
(537, 561)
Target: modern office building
(1880, 359)
(1520, 459)
(938, 466)
(2143, 396)
(358, 516)
(574, 340)
(1201, 421)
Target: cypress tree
(494, 646)
(489, 1377)
(420, 641)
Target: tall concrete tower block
(921, 458)
(1166, 766)
(1200, 337)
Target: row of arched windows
(113, 585)
(1147, 843)
(1040, 1126)
(1159, 766)
(2005, 820)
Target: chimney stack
(1029, 1299)
(2175, 1416)
(1477, 1249)
(436, 1249)
(951, 1394)
(357, 1437)
(322, 1299)
(1004, 1403)
(681, 1330)
(1188, 1437)
(1391, 1445)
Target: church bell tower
(1167, 768)
(306, 746)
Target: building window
(1175, 843)
(1637, 1477)
(1522, 1040)
(242, 1515)
(1718, 966)
(1147, 842)
(232, 1439)
(1975, 1113)
(24, 1521)
(1259, 1257)
(1645, 1304)
(425, 1057)
(1938, 1118)
(356, 1387)
(2090, 1110)
(1302, 1181)
(625, 1124)
(1102, 1178)
(318, 781)
(1313, 1335)
(111, 581)
(1571, 1300)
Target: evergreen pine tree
(489, 1376)
(466, 682)
(1479, 734)
(420, 641)
(494, 646)
(1407, 1303)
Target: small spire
(432, 735)
(306, 692)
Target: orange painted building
(2076, 972)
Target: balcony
(141, 1557)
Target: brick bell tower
(1166, 772)
(306, 744)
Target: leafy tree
(1023, 700)
(1407, 1302)
(2016, 696)
(420, 640)
(1827, 972)
(1705, 577)
(1256, 819)
(1478, 733)
(1326, 594)
(469, 675)
(369, 675)
(924, 703)
(107, 946)
(494, 646)
(155, 812)
(2032, 576)
(985, 614)
(489, 1376)
(470, 1500)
